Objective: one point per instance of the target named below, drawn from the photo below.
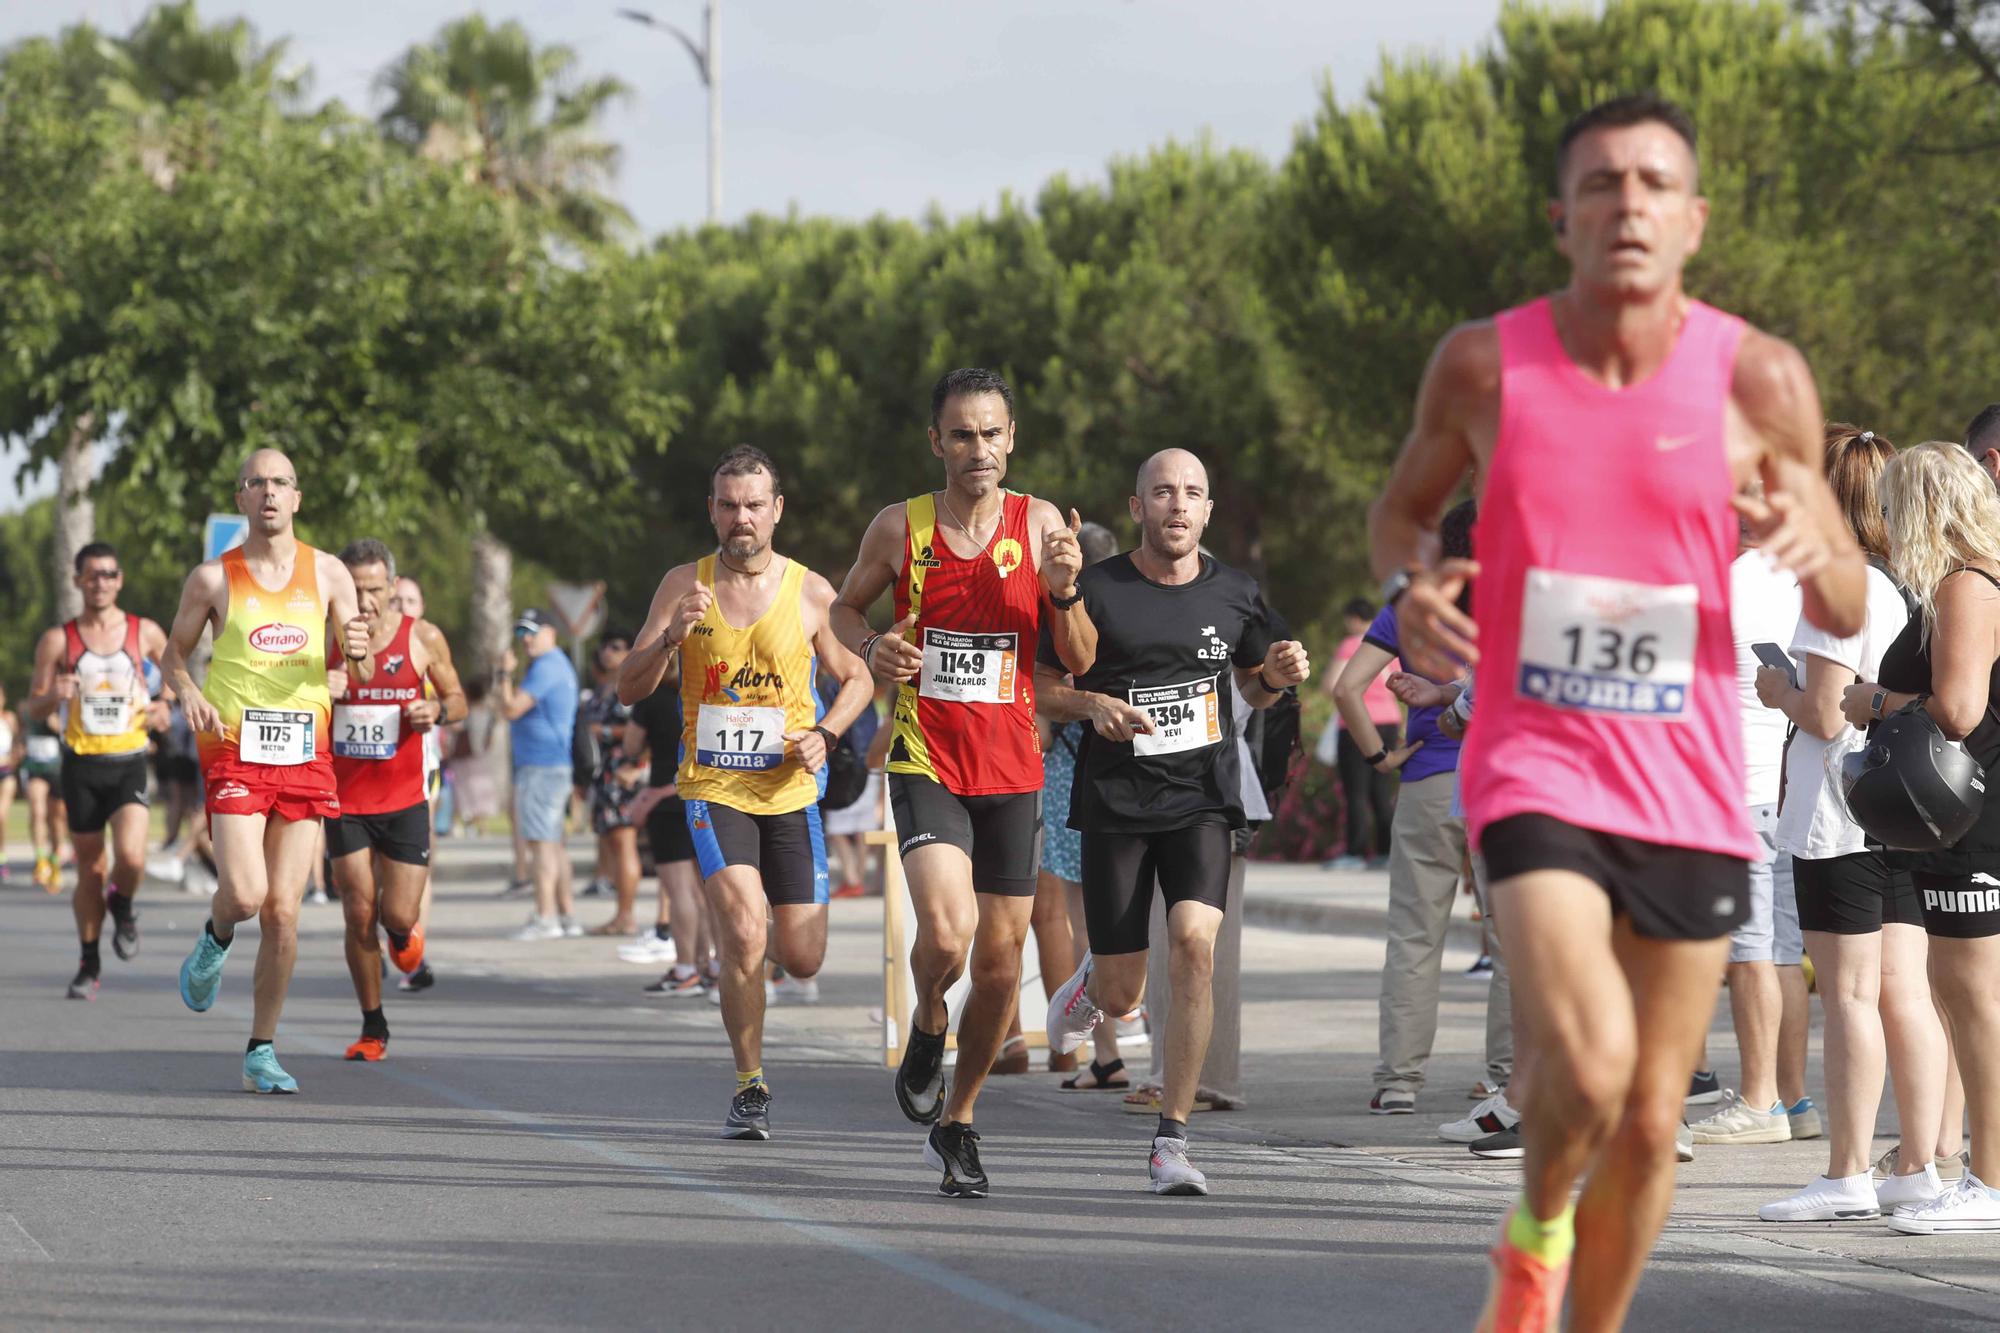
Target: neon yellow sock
(744, 1078)
(1551, 1242)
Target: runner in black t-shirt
(1157, 791)
(658, 718)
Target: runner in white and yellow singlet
(261, 722)
(753, 747)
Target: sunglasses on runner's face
(103, 575)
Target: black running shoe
(1503, 1145)
(1704, 1088)
(84, 986)
(920, 1081)
(749, 1114)
(954, 1149)
(421, 979)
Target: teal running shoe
(201, 973)
(263, 1073)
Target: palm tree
(510, 116)
(489, 103)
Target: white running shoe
(1683, 1143)
(790, 990)
(1171, 1171)
(1484, 1120)
(649, 949)
(540, 928)
(1826, 1200)
(166, 867)
(1967, 1206)
(1910, 1191)
(318, 897)
(1071, 1014)
(1740, 1122)
(572, 929)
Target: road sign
(223, 532)
(578, 608)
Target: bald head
(265, 463)
(267, 492)
(1172, 464)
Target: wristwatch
(1377, 757)
(1396, 585)
(827, 736)
(1875, 704)
(1065, 603)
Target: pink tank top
(1607, 673)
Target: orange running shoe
(411, 956)
(1526, 1295)
(47, 875)
(369, 1048)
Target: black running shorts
(1119, 870)
(1668, 893)
(667, 832)
(787, 851)
(1001, 834)
(94, 787)
(1854, 895)
(1956, 907)
(404, 836)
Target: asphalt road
(541, 1151)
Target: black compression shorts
(94, 788)
(1119, 870)
(403, 835)
(1670, 893)
(1001, 834)
(1854, 895)
(787, 851)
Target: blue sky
(850, 108)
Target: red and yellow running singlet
(268, 681)
(968, 721)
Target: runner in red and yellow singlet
(977, 571)
(381, 843)
(275, 606)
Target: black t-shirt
(1167, 649)
(660, 714)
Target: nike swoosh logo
(1666, 444)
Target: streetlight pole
(703, 54)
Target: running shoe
(1805, 1119)
(1684, 1143)
(1488, 1118)
(649, 949)
(46, 874)
(263, 1073)
(166, 867)
(1911, 1191)
(201, 971)
(411, 956)
(749, 1114)
(670, 986)
(1392, 1101)
(1170, 1169)
(954, 1149)
(515, 886)
(1481, 969)
(421, 979)
(124, 928)
(1071, 1014)
(1967, 1206)
(1503, 1146)
(572, 929)
(83, 986)
(317, 897)
(851, 891)
(1738, 1122)
(369, 1048)
(540, 928)
(1135, 1027)
(1526, 1295)
(597, 888)
(1705, 1087)
(1845, 1199)
(791, 990)
(920, 1078)
(1949, 1168)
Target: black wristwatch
(1396, 585)
(827, 736)
(1065, 603)
(1271, 689)
(1377, 757)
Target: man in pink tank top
(1616, 431)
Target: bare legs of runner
(1118, 983)
(956, 926)
(126, 834)
(264, 862)
(748, 930)
(376, 892)
(1616, 1023)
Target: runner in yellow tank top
(750, 627)
(273, 606)
(89, 685)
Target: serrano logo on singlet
(284, 640)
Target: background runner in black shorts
(403, 836)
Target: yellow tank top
(741, 691)
(269, 668)
(108, 716)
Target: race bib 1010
(1608, 646)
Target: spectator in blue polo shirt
(542, 714)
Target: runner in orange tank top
(275, 606)
(381, 843)
(976, 570)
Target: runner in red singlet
(978, 570)
(1619, 430)
(381, 844)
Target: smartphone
(1771, 655)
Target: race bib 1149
(968, 668)
(1608, 646)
